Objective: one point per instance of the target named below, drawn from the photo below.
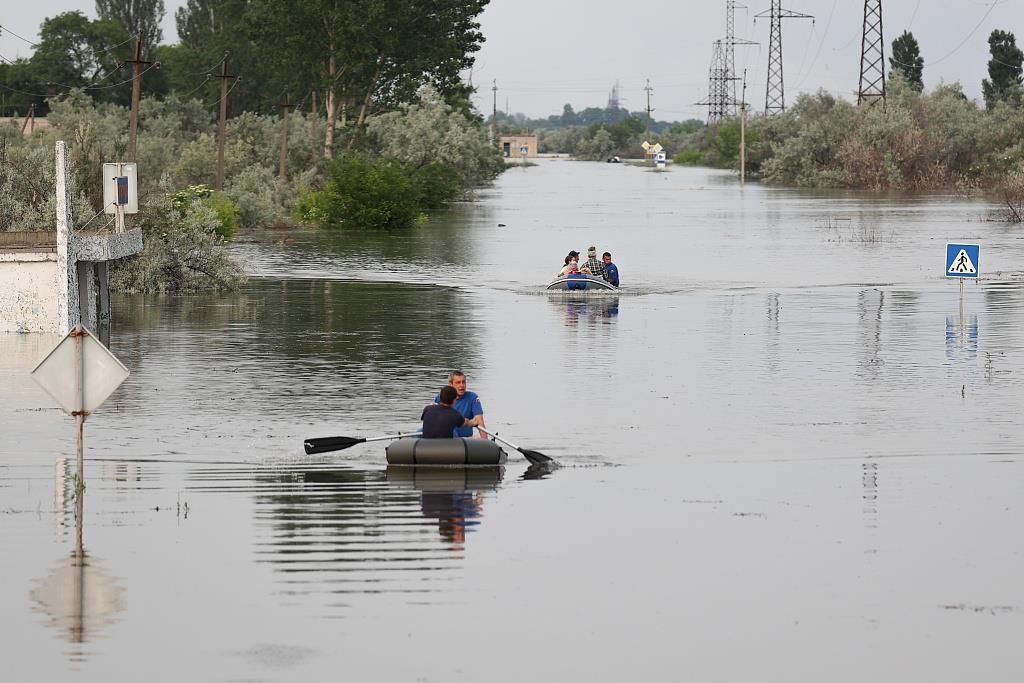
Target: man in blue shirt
(611, 271)
(467, 403)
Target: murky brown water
(786, 453)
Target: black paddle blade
(535, 457)
(329, 443)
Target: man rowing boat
(440, 420)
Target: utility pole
(285, 106)
(743, 131)
(30, 119)
(218, 183)
(649, 90)
(133, 125)
(872, 56)
(775, 98)
(494, 113)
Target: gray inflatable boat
(461, 451)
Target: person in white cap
(593, 266)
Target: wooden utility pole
(743, 131)
(218, 183)
(30, 118)
(133, 126)
(494, 113)
(285, 106)
(649, 110)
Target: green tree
(1004, 69)
(75, 52)
(906, 60)
(139, 19)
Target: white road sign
(80, 373)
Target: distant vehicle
(614, 160)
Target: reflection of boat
(580, 284)
(451, 495)
(462, 451)
(591, 308)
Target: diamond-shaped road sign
(80, 372)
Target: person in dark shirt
(440, 419)
(611, 271)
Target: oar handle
(392, 436)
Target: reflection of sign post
(80, 373)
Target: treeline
(917, 140)
(380, 128)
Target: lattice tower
(872, 56)
(718, 85)
(775, 97)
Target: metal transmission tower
(718, 101)
(730, 44)
(775, 98)
(872, 56)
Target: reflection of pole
(78, 562)
(78, 334)
(961, 302)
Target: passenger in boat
(592, 265)
(577, 280)
(611, 271)
(571, 257)
(441, 420)
(466, 402)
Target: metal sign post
(963, 261)
(80, 373)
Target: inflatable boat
(581, 283)
(461, 451)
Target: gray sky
(545, 53)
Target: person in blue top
(467, 403)
(611, 271)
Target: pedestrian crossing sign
(963, 260)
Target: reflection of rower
(452, 496)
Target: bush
(363, 193)
(218, 202)
(184, 250)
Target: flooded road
(784, 439)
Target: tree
(368, 56)
(139, 18)
(906, 60)
(1004, 69)
(74, 52)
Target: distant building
(512, 146)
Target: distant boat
(581, 283)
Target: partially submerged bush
(363, 193)
(184, 251)
(221, 205)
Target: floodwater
(788, 452)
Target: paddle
(336, 443)
(535, 457)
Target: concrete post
(87, 293)
(68, 311)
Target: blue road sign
(963, 260)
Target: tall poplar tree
(139, 18)
(906, 60)
(1004, 69)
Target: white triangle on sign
(962, 264)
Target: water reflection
(78, 596)
(961, 338)
(587, 310)
(346, 530)
(451, 495)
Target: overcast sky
(546, 53)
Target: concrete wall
(29, 292)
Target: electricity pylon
(872, 56)
(775, 97)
